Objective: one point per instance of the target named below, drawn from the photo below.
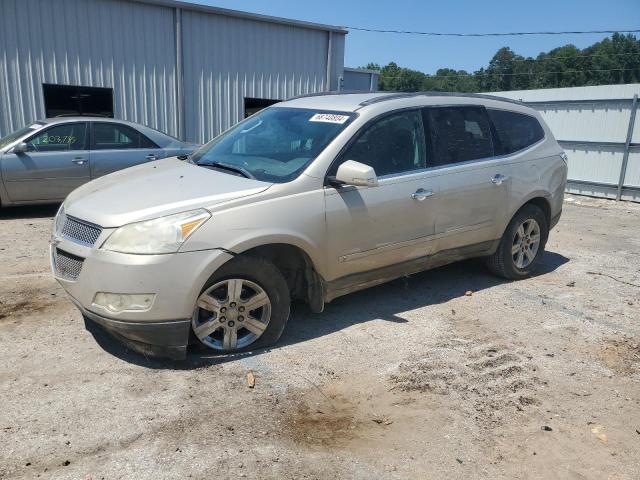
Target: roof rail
(397, 95)
(383, 96)
(341, 92)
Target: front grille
(80, 232)
(67, 265)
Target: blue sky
(429, 53)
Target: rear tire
(246, 306)
(522, 244)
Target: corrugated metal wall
(227, 59)
(102, 43)
(337, 60)
(591, 123)
(356, 79)
(131, 47)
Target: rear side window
(115, 136)
(459, 134)
(515, 131)
(146, 143)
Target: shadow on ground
(29, 211)
(384, 302)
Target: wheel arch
(543, 203)
(297, 267)
(503, 247)
(540, 199)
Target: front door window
(60, 138)
(392, 145)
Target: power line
(491, 34)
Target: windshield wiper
(231, 168)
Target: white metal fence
(596, 127)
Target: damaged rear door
(473, 184)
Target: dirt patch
(23, 308)
(622, 355)
(331, 423)
(350, 414)
(491, 378)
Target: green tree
(500, 74)
(613, 60)
(620, 55)
(449, 80)
(395, 78)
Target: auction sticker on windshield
(329, 118)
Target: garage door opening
(69, 100)
(253, 105)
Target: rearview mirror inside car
(21, 148)
(357, 174)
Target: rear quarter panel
(537, 172)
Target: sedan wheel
(231, 314)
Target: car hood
(153, 190)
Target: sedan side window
(115, 136)
(459, 134)
(393, 144)
(59, 138)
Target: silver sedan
(43, 162)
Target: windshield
(12, 137)
(274, 145)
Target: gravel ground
(409, 380)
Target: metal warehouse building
(188, 70)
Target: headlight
(59, 221)
(160, 235)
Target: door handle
(421, 194)
(498, 179)
(151, 157)
(79, 160)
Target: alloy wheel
(231, 314)
(526, 243)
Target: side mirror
(357, 174)
(21, 148)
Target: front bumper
(155, 339)
(175, 279)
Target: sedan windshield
(12, 137)
(274, 145)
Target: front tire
(243, 306)
(522, 244)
